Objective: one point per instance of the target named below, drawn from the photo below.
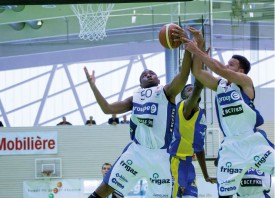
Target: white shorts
(138, 162)
(237, 155)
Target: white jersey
(235, 111)
(254, 184)
(152, 119)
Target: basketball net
(92, 19)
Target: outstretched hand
(197, 36)
(197, 42)
(190, 45)
(90, 78)
(179, 35)
(212, 180)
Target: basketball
(166, 37)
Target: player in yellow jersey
(188, 138)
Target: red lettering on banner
(27, 143)
(51, 144)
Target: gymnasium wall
(83, 149)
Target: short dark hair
(106, 164)
(182, 94)
(244, 63)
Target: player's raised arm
(174, 88)
(231, 74)
(113, 108)
(191, 103)
(206, 78)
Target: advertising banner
(23, 143)
(69, 188)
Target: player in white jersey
(242, 147)
(151, 126)
(255, 183)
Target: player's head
(105, 168)
(239, 63)
(148, 78)
(186, 92)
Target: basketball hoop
(47, 173)
(92, 20)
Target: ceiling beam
(42, 2)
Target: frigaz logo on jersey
(228, 97)
(156, 180)
(128, 167)
(261, 160)
(230, 170)
(147, 108)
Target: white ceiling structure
(34, 27)
(37, 35)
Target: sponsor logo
(160, 195)
(147, 121)
(253, 171)
(228, 98)
(227, 189)
(230, 170)
(156, 180)
(251, 182)
(233, 110)
(121, 177)
(129, 162)
(127, 166)
(27, 143)
(147, 108)
(173, 112)
(228, 181)
(261, 160)
(117, 183)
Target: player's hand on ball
(179, 35)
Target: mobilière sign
(22, 143)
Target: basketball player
(242, 147)
(188, 138)
(255, 183)
(151, 126)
